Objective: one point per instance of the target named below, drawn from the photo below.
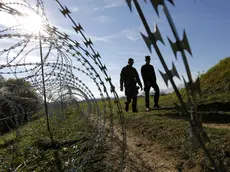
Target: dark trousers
(131, 95)
(134, 102)
(156, 95)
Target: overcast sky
(115, 32)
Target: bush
(18, 102)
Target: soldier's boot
(134, 109)
(126, 107)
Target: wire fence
(55, 75)
(189, 108)
(53, 62)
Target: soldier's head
(130, 62)
(147, 59)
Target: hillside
(215, 89)
(74, 148)
(156, 141)
(165, 127)
(215, 83)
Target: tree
(18, 102)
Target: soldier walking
(149, 78)
(128, 78)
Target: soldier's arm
(154, 74)
(122, 79)
(143, 73)
(138, 79)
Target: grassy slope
(170, 133)
(32, 150)
(215, 87)
(173, 134)
(215, 83)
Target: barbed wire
(189, 108)
(53, 62)
(61, 60)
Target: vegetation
(75, 146)
(215, 89)
(18, 102)
(173, 135)
(215, 84)
(74, 136)
(166, 127)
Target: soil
(142, 155)
(145, 156)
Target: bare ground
(143, 155)
(217, 126)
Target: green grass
(172, 134)
(215, 83)
(215, 87)
(74, 136)
(74, 139)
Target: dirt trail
(145, 156)
(217, 126)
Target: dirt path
(217, 126)
(145, 156)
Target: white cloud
(106, 39)
(92, 10)
(75, 9)
(114, 4)
(132, 34)
(107, 4)
(104, 19)
(132, 53)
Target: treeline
(18, 102)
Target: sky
(115, 33)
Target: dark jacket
(129, 77)
(148, 74)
